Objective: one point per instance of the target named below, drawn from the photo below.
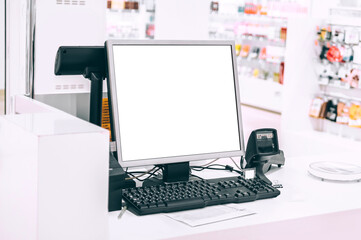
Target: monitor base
(172, 172)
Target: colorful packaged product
(331, 110)
(238, 49)
(263, 53)
(343, 112)
(276, 77)
(334, 54)
(282, 71)
(254, 53)
(214, 6)
(353, 77)
(357, 54)
(323, 54)
(255, 72)
(245, 50)
(315, 108)
(283, 33)
(338, 34)
(355, 115)
(250, 8)
(347, 53)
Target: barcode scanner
(263, 151)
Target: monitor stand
(172, 172)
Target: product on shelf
(282, 71)
(352, 36)
(121, 4)
(263, 10)
(276, 77)
(347, 53)
(278, 8)
(324, 33)
(131, 5)
(112, 4)
(262, 64)
(250, 8)
(125, 21)
(260, 31)
(343, 112)
(323, 54)
(240, 9)
(355, 115)
(331, 110)
(245, 51)
(214, 6)
(357, 54)
(149, 31)
(333, 54)
(339, 51)
(353, 78)
(255, 72)
(263, 53)
(283, 33)
(316, 107)
(254, 53)
(338, 34)
(238, 49)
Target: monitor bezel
(115, 115)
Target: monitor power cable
(210, 166)
(151, 172)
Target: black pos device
(171, 139)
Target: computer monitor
(174, 101)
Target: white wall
(300, 83)
(320, 8)
(16, 49)
(65, 25)
(2, 44)
(75, 104)
(181, 20)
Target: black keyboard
(193, 194)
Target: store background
(286, 28)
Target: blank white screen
(175, 100)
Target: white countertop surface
(302, 195)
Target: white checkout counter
(49, 192)
(302, 205)
(53, 175)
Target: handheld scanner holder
(263, 151)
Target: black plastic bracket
(172, 172)
(175, 172)
(96, 98)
